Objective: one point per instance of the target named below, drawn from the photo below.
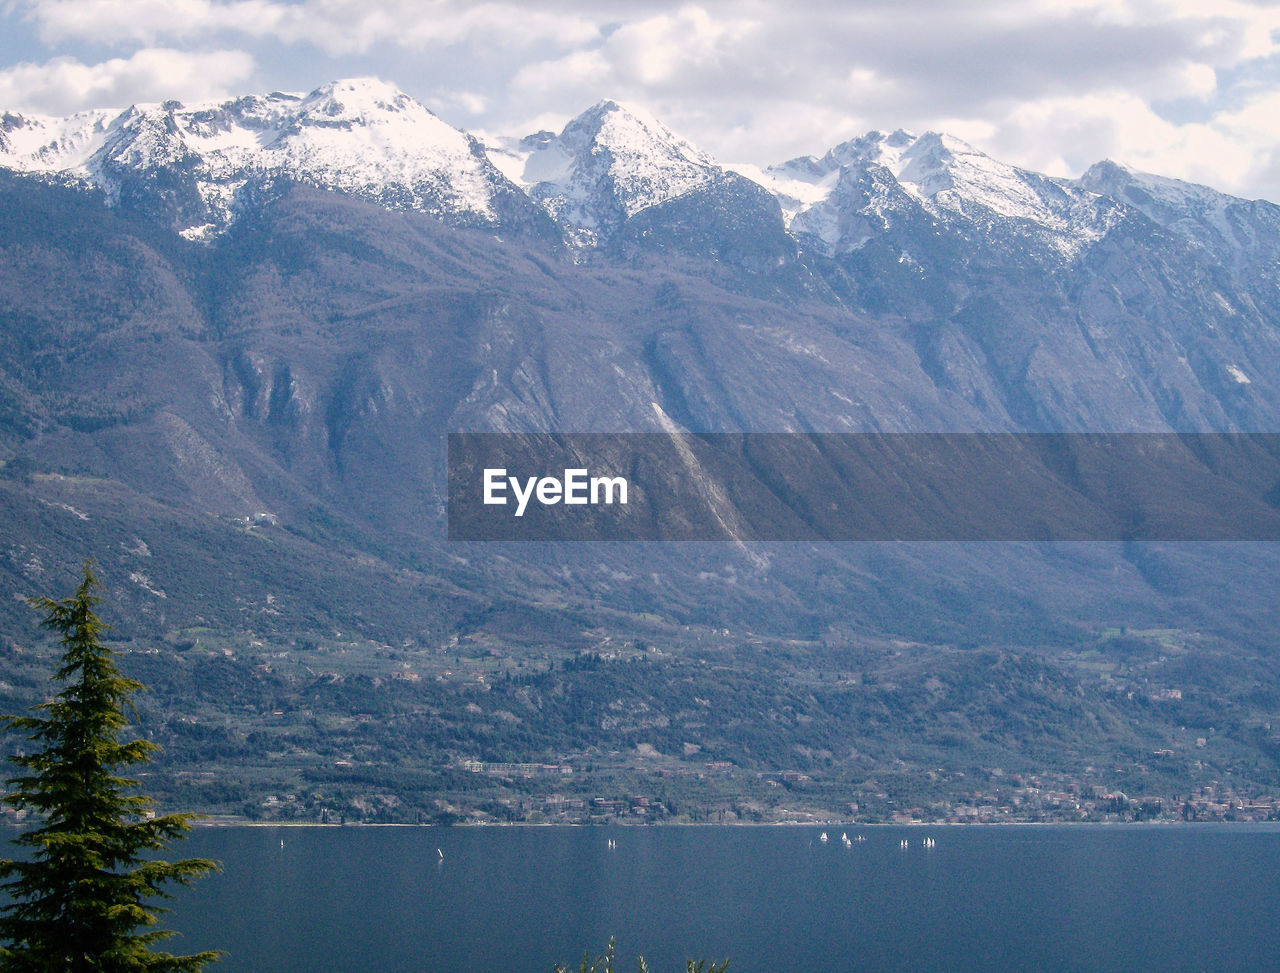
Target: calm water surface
(518, 900)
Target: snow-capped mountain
(42, 143)
(361, 137)
(1243, 234)
(614, 176)
(607, 165)
(839, 200)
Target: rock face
(351, 277)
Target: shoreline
(818, 825)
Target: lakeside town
(1026, 800)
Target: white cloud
(1062, 136)
(680, 52)
(666, 48)
(448, 102)
(1255, 24)
(573, 75)
(64, 85)
(782, 130)
(334, 26)
(150, 21)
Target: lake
(518, 900)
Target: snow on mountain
(840, 199)
(947, 177)
(1159, 198)
(41, 143)
(359, 136)
(368, 139)
(607, 165)
(797, 185)
(1240, 233)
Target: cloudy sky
(1184, 88)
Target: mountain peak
(606, 165)
(607, 106)
(1144, 189)
(359, 100)
(627, 111)
(1160, 198)
(875, 147)
(628, 131)
(1240, 233)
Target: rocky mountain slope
(351, 277)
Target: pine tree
(79, 902)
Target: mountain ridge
(606, 166)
